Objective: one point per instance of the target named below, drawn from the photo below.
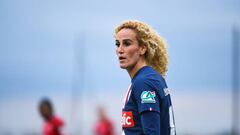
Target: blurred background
(65, 51)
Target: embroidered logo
(148, 97)
(127, 119)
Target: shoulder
(148, 76)
(150, 81)
(57, 121)
(141, 82)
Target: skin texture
(130, 53)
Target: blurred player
(52, 124)
(104, 126)
(147, 106)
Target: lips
(121, 58)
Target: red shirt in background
(53, 126)
(104, 127)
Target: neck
(132, 71)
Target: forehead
(126, 34)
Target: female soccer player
(52, 124)
(147, 108)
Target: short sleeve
(146, 96)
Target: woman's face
(128, 50)
(45, 111)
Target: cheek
(133, 54)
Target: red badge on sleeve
(127, 119)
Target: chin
(123, 67)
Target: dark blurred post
(235, 80)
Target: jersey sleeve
(151, 123)
(145, 96)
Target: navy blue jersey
(147, 107)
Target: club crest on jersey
(148, 97)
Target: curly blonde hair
(156, 54)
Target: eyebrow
(124, 40)
(127, 40)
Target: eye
(117, 44)
(127, 43)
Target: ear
(143, 49)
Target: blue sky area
(48, 46)
(65, 49)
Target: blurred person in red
(52, 124)
(104, 125)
